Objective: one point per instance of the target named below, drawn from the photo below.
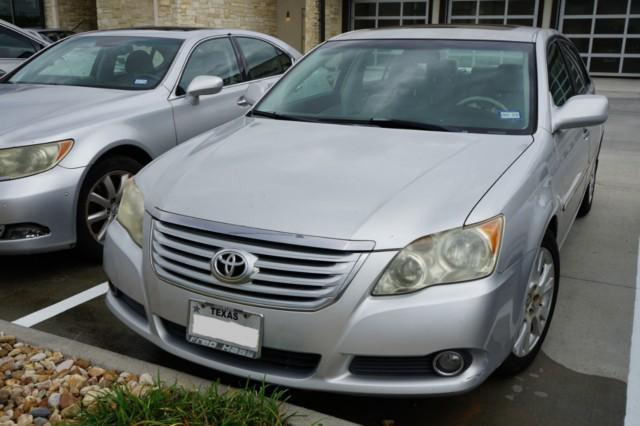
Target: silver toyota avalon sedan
(85, 114)
(385, 220)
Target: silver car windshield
(114, 62)
(442, 85)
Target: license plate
(224, 328)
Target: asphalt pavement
(580, 378)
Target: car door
(14, 48)
(571, 146)
(263, 62)
(213, 57)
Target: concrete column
(311, 24)
(547, 9)
(435, 12)
(155, 13)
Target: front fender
(524, 195)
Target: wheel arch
(126, 148)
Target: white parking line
(60, 307)
(632, 417)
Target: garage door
(515, 12)
(606, 32)
(388, 13)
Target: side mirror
(204, 85)
(581, 111)
(254, 92)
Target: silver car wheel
(538, 302)
(102, 202)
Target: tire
(523, 352)
(587, 200)
(88, 231)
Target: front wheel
(99, 199)
(539, 304)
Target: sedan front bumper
(478, 317)
(47, 200)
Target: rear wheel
(539, 304)
(99, 199)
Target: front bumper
(47, 199)
(478, 317)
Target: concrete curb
(114, 361)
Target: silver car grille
(291, 276)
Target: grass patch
(174, 405)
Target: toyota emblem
(233, 266)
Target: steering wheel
(479, 100)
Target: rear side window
(15, 46)
(577, 70)
(263, 59)
(559, 80)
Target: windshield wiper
(278, 116)
(393, 123)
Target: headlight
(457, 255)
(32, 159)
(131, 211)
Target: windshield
(114, 62)
(446, 85)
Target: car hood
(36, 113)
(339, 181)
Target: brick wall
(78, 14)
(124, 13)
(257, 15)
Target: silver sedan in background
(386, 220)
(16, 45)
(84, 115)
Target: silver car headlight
(460, 254)
(29, 160)
(131, 211)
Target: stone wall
(257, 15)
(70, 14)
(124, 13)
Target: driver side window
(214, 58)
(560, 84)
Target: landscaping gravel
(42, 387)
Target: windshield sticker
(140, 81)
(510, 115)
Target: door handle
(242, 102)
(586, 133)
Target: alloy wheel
(538, 303)
(101, 206)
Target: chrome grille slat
(255, 249)
(248, 288)
(340, 268)
(289, 276)
(246, 298)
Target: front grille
(271, 360)
(392, 366)
(291, 276)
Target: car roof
(184, 33)
(453, 32)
